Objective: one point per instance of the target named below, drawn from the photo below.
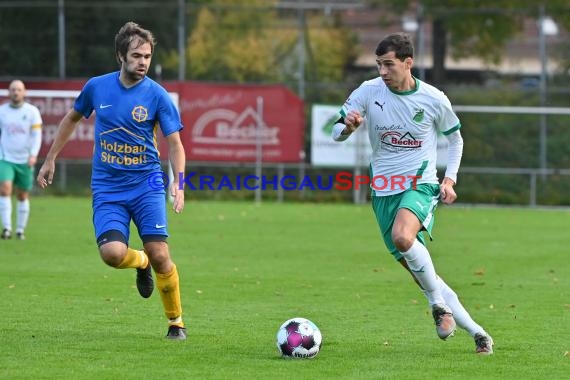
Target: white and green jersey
(20, 132)
(403, 129)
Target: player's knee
(112, 253)
(402, 241)
(22, 196)
(160, 260)
(157, 251)
(5, 189)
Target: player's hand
(47, 169)
(32, 161)
(446, 192)
(178, 196)
(352, 121)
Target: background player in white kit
(20, 142)
(403, 116)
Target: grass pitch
(246, 268)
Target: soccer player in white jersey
(403, 116)
(20, 141)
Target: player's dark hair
(400, 43)
(127, 34)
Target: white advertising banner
(355, 151)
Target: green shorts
(21, 175)
(422, 201)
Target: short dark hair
(127, 34)
(400, 43)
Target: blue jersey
(125, 150)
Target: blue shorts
(145, 207)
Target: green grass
(246, 268)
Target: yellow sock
(134, 259)
(168, 285)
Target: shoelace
(438, 313)
(482, 341)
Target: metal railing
(531, 172)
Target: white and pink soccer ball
(299, 338)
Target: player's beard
(135, 75)
(17, 101)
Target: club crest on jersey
(419, 115)
(139, 113)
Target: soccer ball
(299, 338)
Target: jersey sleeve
(168, 115)
(84, 102)
(355, 102)
(448, 122)
(36, 132)
(36, 118)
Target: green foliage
(333, 48)
(483, 36)
(90, 41)
(21, 50)
(205, 47)
(480, 28)
(236, 46)
(256, 44)
(511, 141)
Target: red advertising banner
(54, 100)
(221, 122)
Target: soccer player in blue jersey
(129, 108)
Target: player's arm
(346, 125)
(177, 158)
(454, 153)
(35, 143)
(64, 131)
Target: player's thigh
(422, 202)
(7, 171)
(385, 209)
(148, 211)
(110, 214)
(24, 177)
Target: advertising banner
(53, 105)
(226, 122)
(355, 151)
(221, 122)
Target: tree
(474, 28)
(91, 29)
(28, 41)
(252, 41)
(236, 43)
(29, 34)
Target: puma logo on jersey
(380, 105)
